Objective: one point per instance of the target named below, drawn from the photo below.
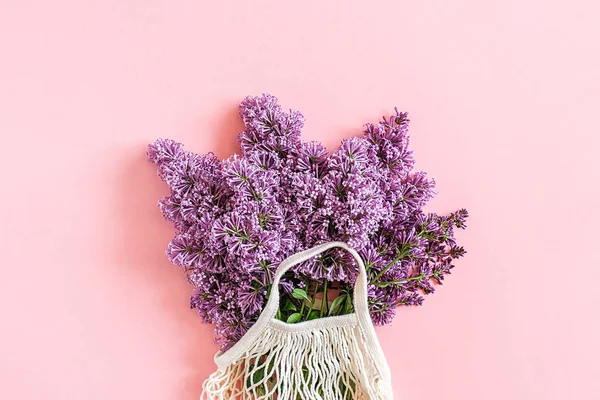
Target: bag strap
(360, 288)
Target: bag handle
(361, 306)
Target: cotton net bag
(329, 358)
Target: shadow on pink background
(503, 98)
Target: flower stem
(306, 285)
(267, 276)
(314, 296)
(324, 299)
(401, 253)
(395, 282)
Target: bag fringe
(326, 363)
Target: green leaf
(348, 306)
(337, 303)
(255, 377)
(300, 294)
(314, 314)
(295, 317)
(259, 374)
(289, 306)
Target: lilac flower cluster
(237, 219)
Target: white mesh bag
(329, 358)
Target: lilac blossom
(237, 219)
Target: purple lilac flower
(237, 219)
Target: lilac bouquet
(237, 219)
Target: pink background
(504, 100)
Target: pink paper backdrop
(504, 104)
